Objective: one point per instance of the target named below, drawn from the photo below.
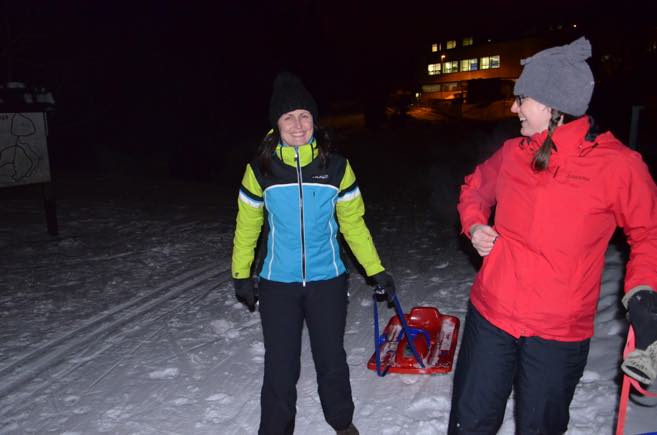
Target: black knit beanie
(289, 94)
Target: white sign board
(23, 149)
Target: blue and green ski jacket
(302, 201)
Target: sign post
(24, 157)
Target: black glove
(384, 280)
(245, 292)
(642, 307)
(641, 364)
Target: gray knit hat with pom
(559, 77)
(289, 94)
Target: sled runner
(625, 389)
(420, 342)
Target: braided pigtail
(542, 155)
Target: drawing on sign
(23, 153)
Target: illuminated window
(489, 62)
(453, 86)
(433, 69)
(467, 41)
(431, 88)
(451, 44)
(652, 46)
(435, 47)
(450, 67)
(469, 64)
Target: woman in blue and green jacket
(304, 194)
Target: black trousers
(283, 309)
(543, 374)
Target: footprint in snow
(109, 420)
(221, 326)
(356, 356)
(428, 408)
(182, 401)
(221, 398)
(367, 410)
(81, 410)
(411, 379)
(168, 373)
(71, 399)
(258, 351)
(392, 429)
(590, 376)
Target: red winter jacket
(542, 277)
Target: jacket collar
(288, 154)
(569, 139)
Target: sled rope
(625, 390)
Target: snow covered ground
(126, 322)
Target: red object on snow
(435, 336)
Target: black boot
(351, 430)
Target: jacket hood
(569, 139)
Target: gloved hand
(245, 292)
(641, 364)
(384, 280)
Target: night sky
(156, 74)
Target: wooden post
(634, 126)
(50, 207)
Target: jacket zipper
(303, 238)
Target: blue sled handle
(406, 329)
(410, 333)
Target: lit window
(450, 67)
(467, 41)
(433, 69)
(451, 44)
(490, 62)
(469, 64)
(431, 88)
(652, 46)
(434, 48)
(453, 86)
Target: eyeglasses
(520, 99)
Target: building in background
(473, 77)
(472, 70)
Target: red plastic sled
(434, 336)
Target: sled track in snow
(32, 363)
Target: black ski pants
(542, 373)
(283, 309)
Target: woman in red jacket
(559, 193)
